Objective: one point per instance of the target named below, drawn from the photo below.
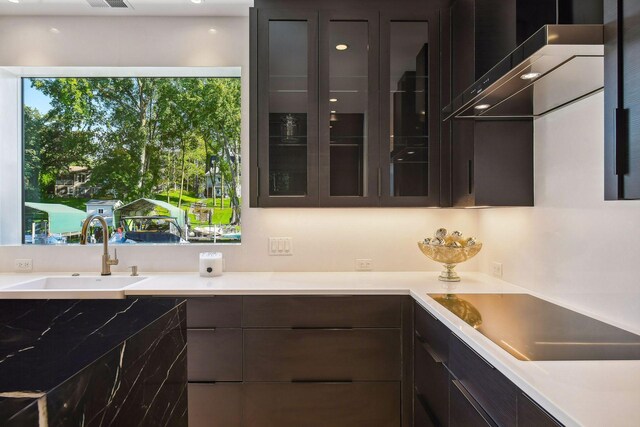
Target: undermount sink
(72, 287)
(78, 282)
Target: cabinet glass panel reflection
(348, 97)
(409, 134)
(288, 108)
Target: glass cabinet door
(409, 129)
(348, 109)
(287, 112)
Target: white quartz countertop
(577, 393)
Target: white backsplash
(572, 245)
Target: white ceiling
(137, 8)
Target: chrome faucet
(107, 262)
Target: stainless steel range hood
(557, 65)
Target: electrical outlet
(280, 246)
(23, 265)
(364, 265)
(497, 269)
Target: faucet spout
(107, 262)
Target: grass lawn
(220, 216)
(71, 202)
(188, 198)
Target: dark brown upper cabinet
(348, 108)
(622, 100)
(344, 105)
(491, 161)
(286, 118)
(409, 102)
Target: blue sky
(34, 98)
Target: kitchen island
(92, 362)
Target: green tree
(219, 121)
(51, 145)
(139, 135)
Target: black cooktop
(530, 328)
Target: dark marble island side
(93, 362)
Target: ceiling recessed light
(333, 99)
(54, 30)
(530, 76)
(196, 1)
(14, 1)
(333, 111)
(411, 152)
(342, 46)
(213, 31)
(400, 160)
(482, 106)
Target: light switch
(280, 246)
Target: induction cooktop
(530, 328)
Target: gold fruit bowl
(449, 257)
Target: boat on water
(149, 229)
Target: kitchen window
(158, 157)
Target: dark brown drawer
(431, 386)
(530, 414)
(215, 405)
(322, 355)
(322, 311)
(214, 354)
(465, 411)
(219, 311)
(432, 334)
(368, 404)
(421, 415)
(497, 395)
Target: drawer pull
(544, 411)
(308, 380)
(202, 329)
(428, 348)
(476, 353)
(425, 405)
(476, 406)
(334, 296)
(316, 328)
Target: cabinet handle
(202, 329)
(425, 405)
(475, 352)
(428, 348)
(323, 328)
(621, 118)
(622, 137)
(258, 182)
(534, 403)
(379, 183)
(474, 404)
(308, 380)
(470, 172)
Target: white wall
(10, 135)
(323, 239)
(572, 245)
